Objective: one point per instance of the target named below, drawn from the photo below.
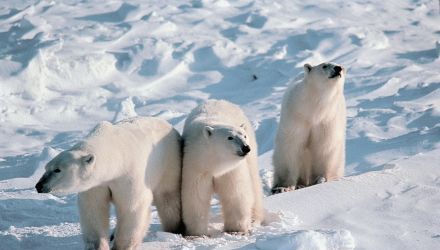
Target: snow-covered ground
(66, 65)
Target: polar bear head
(227, 140)
(69, 172)
(327, 73)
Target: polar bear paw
(278, 190)
(247, 233)
(320, 180)
(196, 237)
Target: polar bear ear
(88, 159)
(207, 131)
(307, 68)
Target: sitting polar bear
(220, 155)
(310, 141)
(127, 163)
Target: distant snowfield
(66, 65)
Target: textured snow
(66, 65)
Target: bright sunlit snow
(66, 65)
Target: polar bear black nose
(39, 187)
(246, 149)
(338, 69)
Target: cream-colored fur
(127, 164)
(310, 141)
(216, 137)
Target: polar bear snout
(41, 186)
(245, 149)
(336, 71)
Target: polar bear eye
(57, 170)
(230, 138)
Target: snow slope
(66, 65)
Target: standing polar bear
(220, 156)
(128, 164)
(310, 141)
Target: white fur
(211, 164)
(128, 164)
(310, 141)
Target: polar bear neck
(323, 89)
(108, 150)
(107, 159)
(310, 103)
(322, 94)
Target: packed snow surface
(66, 65)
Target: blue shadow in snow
(13, 46)
(421, 56)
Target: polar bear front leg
(286, 175)
(237, 199)
(94, 207)
(133, 216)
(196, 200)
(291, 159)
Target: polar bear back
(140, 139)
(130, 134)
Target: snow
(66, 65)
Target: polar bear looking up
(126, 164)
(220, 156)
(310, 140)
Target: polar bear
(127, 164)
(220, 156)
(310, 141)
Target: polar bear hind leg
(167, 197)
